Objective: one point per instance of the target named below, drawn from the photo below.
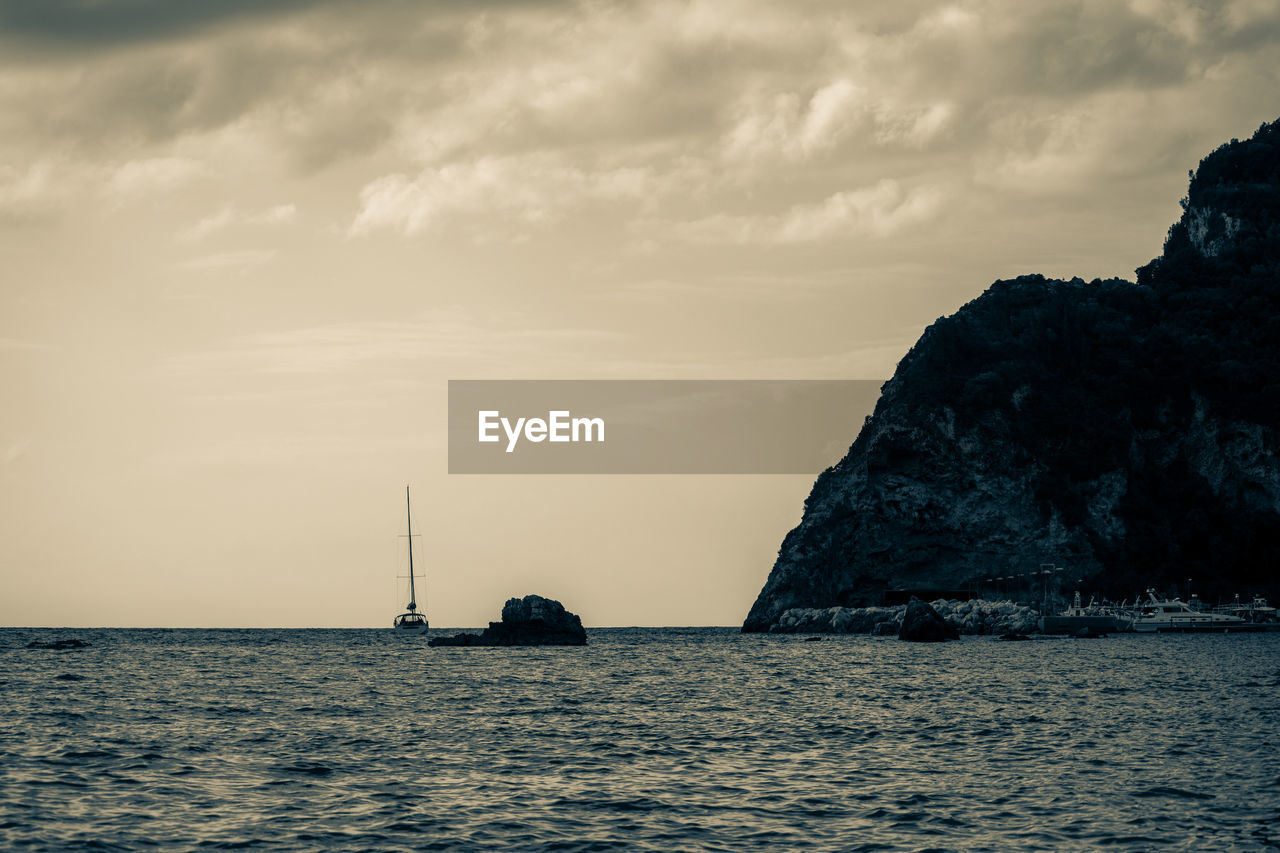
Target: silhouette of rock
(922, 624)
(1126, 430)
(529, 621)
(58, 644)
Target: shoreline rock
(529, 621)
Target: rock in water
(1127, 430)
(922, 624)
(459, 640)
(529, 621)
(536, 621)
(58, 645)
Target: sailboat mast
(413, 595)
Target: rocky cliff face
(1125, 430)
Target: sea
(665, 739)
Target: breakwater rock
(529, 621)
(922, 624)
(967, 617)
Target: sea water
(646, 739)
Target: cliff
(1126, 430)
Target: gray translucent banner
(654, 426)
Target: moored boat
(1161, 615)
(411, 619)
(1080, 621)
(1255, 612)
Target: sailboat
(411, 619)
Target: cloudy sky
(244, 245)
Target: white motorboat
(1159, 615)
(411, 619)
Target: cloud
(514, 117)
(532, 190)
(153, 176)
(26, 195)
(875, 211)
(439, 341)
(721, 289)
(128, 20)
(230, 217)
(224, 261)
(915, 127)
(455, 343)
(787, 125)
(792, 127)
(1076, 149)
(879, 210)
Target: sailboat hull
(411, 620)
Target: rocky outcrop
(922, 624)
(58, 645)
(1127, 431)
(529, 621)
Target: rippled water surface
(647, 739)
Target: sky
(245, 245)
